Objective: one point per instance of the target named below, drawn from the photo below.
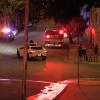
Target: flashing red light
(61, 31)
(91, 30)
(47, 36)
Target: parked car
(33, 52)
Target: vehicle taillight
(61, 31)
(47, 36)
(32, 51)
(65, 35)
(45, 50)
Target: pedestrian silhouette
(90, 54)
(95, 49)
(31, 43)
(80, 52)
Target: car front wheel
(44, 58)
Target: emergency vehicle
(54, 38)
(6, 34)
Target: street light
(78, 59)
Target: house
(95, 22)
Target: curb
(85, 81)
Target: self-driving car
(35, 52)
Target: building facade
(95, 22)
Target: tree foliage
(75, 28)
(9, 8)
(38, 8)
(77, 25)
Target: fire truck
(54, 38)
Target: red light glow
(61, 32)
(47, 36)
(91, 30)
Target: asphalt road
(56, 62)
(57, 67)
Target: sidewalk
(11, 89)
(73, 57)
(87, 90)
(49, 92)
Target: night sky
(67, 9)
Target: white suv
(35, 52)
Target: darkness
(63, 10)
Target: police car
(36, 52)
(6, 34)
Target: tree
(75, 27)
(38, 8)
(65, 10)
(9, 8)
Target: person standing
(90, 54)
(32, 43)
(96, 49)
(80, 52)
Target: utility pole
(26, 3)
(78, 59)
